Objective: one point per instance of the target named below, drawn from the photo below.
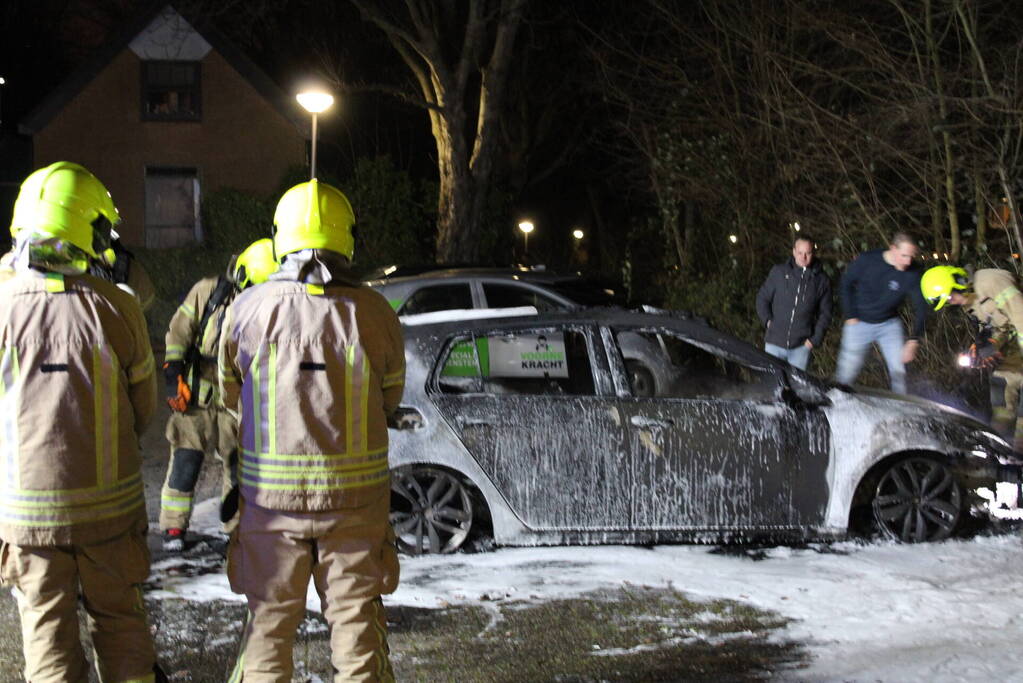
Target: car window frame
(599, 366)
(609, 333)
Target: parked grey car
(448, 289)
(528, 431)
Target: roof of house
(46, 110)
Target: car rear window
(528, 362)
(512, 296)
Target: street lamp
(578, 235)
(526, 227)
(2, 81)
(314, 102)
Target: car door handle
(474, 421)
(643, 421)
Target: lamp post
(526, 227)
(314, 102)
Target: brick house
(165, 114)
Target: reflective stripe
(169, 502)
(313, 472)
(314, 290)
(31, 508)
(174, 352)
(394, 378)
(356, 399)
(141, 371)
(104, 381)
(9, 376)
(148, 678)
(54, 283)
(1005, 295)
(187, 310)
(257, 401)
(271, 401)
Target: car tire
(432, 510)
(641, 380)
(918, 499)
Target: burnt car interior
(528, 362)
(696, 373)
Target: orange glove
(179, 403)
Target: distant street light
(526, 227)
(315, 102)
(2, 81)
(733, 239)
(577, 234)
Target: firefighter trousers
(351, 559)
(47, 583)
(192, 435)
(1005, 418)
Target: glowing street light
(315, 102)
(577, 234)
(526, 227)
(733, 239)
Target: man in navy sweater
(873, 287)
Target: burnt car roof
(684, 321)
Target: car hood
(897, 413)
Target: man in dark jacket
(794, 303)
(873, 288)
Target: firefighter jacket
(186, 343)
(997, 303)
(314, 371)
(77, 388)
(795, 304)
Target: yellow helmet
(65, 201)
(254, 265)
(938, 283)
(314, 216)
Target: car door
(717, 447)
(533, 406)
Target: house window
(170, 91)
(172, 207)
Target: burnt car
(421, 290)
(528, 431)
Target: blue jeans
(798, 357)
(856, 341)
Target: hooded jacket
(795, 304)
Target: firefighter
(197, 426)
(992, 299)
(77, 390)
(314, 362)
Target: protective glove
(986, 356)
(177, 392)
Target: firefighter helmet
(312, 215)
(938, 283)
(64, 201)
(254, 265)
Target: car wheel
(918, 499)
(640, 379)
(431, 510)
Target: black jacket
(795, 304)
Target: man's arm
(229, 377)
(824, 306)
(141, 370)
(847, 289)
(394, 363)
(921, 311)
(764, 297)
